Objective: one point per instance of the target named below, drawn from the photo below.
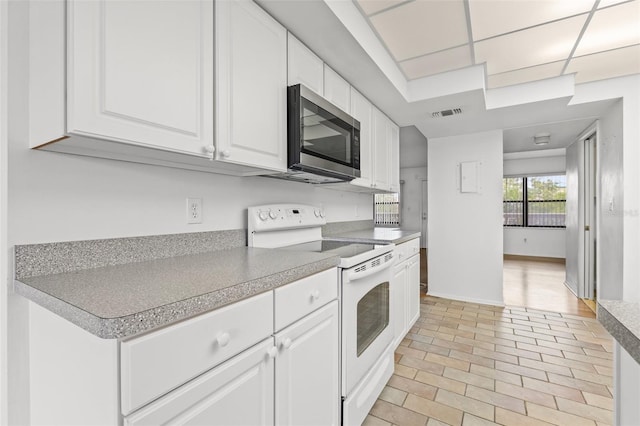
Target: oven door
(366, 328)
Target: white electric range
(365, 271)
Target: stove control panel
(273, 217)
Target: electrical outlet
(194, 210)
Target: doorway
(423, 237)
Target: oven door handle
(356, 275)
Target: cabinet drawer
(237, 392)
(153, 364)
(407, 249)
(298, 299)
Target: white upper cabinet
(251, 86)
(361, 110)
(141, 72)
(304, 67)
(337, 90)
(382, 151)
(394, 141)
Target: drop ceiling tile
(605, 3)
(493, 17)
(610, 28)
(613, 63)
(420, 27)
(525, 75)
(370, 7)
(446, 60)
(534, 46)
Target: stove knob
(273, 214)
(316, 212)
(263, 216)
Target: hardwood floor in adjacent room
(538, 283)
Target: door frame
(589, 182)
(423, 212)
(4, 251)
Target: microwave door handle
(353, 275)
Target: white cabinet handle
(286, 343)
(223, 339)
(315, 295)
(272, 352)
(226, 153)
(210, 149)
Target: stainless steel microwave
(323, 141)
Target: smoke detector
(446, 112)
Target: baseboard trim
(466, 299)
(567, 285)
(535, 258)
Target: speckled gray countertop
(380, 235)
(117, 301)
(622, 321)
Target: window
(386, 209)
(535, 201)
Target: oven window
(325, 135)
(373, 315)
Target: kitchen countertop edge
(130, 325)
(622, 320)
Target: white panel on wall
(465, 232)
(469, 171)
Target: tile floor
(469, 364)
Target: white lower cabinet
(238, 392)
(405, 289)
(307, 370)
(237, 365)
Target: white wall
(539, 242)
(627, 88)
(411, 201)
(525, 165)
(59, 197)
(465, 229)
(610, 224)
(4, 254)
(542, 242)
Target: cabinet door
(394, 164)
(304, 67)
(413, 291)
(251, 86)
(337, 90)
(398, 300)
(141, 72)
(307, 370)
(238, 392)
(361, 110)
(381, 150)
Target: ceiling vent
(446, 112)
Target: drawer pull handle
(286, 343)
(272, 352)
(223, 339)
(315, 295)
